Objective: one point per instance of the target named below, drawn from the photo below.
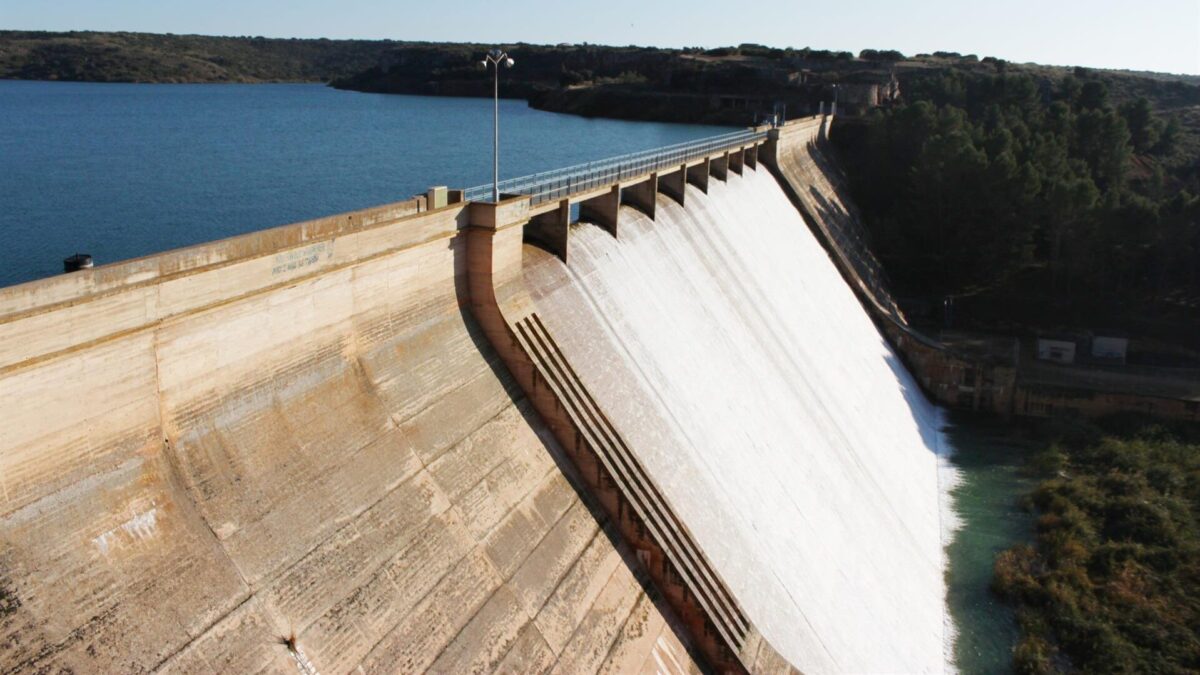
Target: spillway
(403, 440)
(738, 364)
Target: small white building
(1056, 349)
(1110, 348)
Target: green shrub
(1112, 582)
(1033, 656)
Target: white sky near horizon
(1157, 35)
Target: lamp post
(496, 57)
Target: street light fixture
(496, 57)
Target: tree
(1069, 90)
(945, 174)
(1093, 95)
(1168, 139)
(1069, 201)
(880, 55)
(1102, 140)
(981, 176)
(1144, 128)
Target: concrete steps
(687, 566)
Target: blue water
(125, 170)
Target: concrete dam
(628, 419)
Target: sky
(1158, 35)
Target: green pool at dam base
(987, 504)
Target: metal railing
(560, 183)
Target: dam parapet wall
(61, 313)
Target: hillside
(731, 85)
(1036, 204)
(146, 57)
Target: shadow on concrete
(931, 428)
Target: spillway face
(327, 474)
(742, 370)
(818, 185)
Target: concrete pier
(718, 166)
(550, 229)
(699, 173)
(674, 184)
(737, 159)
(641, 195)
(604, 209)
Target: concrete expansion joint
(499, 587)
(166, 659)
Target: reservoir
(126, 170)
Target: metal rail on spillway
(559, 183)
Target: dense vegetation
(1037, 194)
(1112, 582)
(721, 86)
(686, 85)
(376, 64)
